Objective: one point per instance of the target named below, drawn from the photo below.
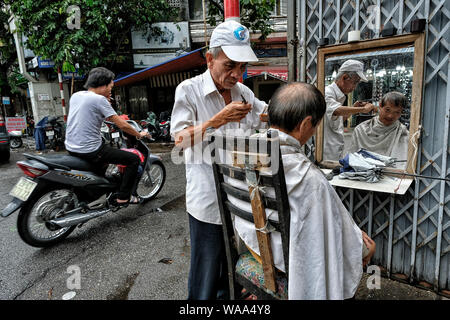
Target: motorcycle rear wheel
(32, 222)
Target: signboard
(43, 97)
(151, 59)
(16, 123)
(172, 36)
(6, 100)
(76, 76)
(39, 62)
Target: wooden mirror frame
(418, 41)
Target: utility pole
(292, 40)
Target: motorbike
(54, 131)
(151, 125)
(15, 138)
(164, 127)
(61, 192)
(111, 134)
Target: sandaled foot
(135, 200)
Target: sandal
(135, 200)
(132, 200)
(246, 295)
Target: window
(196, 10)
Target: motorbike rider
(88, 109)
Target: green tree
(10, 78)
(255, 14)
(104, 26)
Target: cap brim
(362, 76)
(240, 53)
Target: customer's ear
(305, 130)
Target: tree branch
(215, 4)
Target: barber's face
(389, 113)
(348, 84)
(225, 72)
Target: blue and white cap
(234, 39)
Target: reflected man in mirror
(384, 133)
(347, 79)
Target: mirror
(393, 68)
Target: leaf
(166, 261)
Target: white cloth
(373, 135)
(333, 130)
(325, 245)
(196, 101)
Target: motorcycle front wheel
(152, 181)
(32, 222)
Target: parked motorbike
(15, 138)
(61, 192)
(151, 124)
(164, 126)
(54, 131)
(111, 134)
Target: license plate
(115, 135)
(50, 133)
(23, 189)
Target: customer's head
(101, 81)
(228, 54)
(297, 109)
(350, 74)
(391, 107)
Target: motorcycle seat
(65, 162)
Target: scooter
(15, 138)
(54, 132)
(112, 134)
(164, 126)
(61, 192)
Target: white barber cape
(325, 246)
(373, 135)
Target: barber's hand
(359, 104)
(368, 108)
(370, 244)
(233, 112)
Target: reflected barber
(349, 75)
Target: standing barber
(349, 75)
(213, 99)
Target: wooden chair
(258, 163)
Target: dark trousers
(109, 155)
(208, 278)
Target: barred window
(174, 3)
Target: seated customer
(326, 246)
(384, 133)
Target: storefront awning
(278, 72)
(191, 60)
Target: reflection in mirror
(369, 110)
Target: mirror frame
(418, 41)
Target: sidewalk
(393, 290)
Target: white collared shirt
(333, 130)
(196, 101)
